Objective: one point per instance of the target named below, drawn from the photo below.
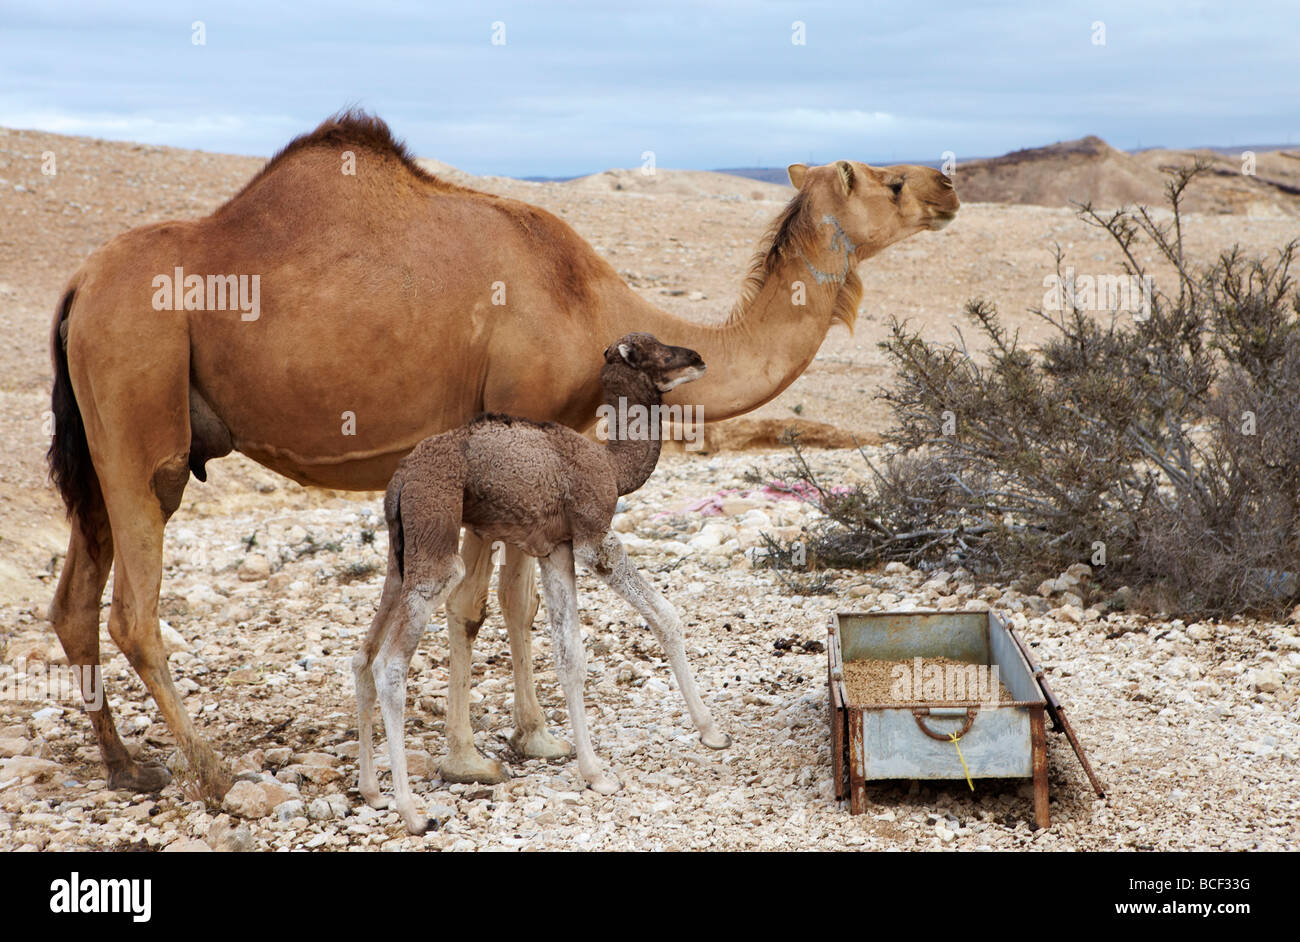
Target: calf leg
(466, 609)
(424, 588)
(610, 562)
(364, 681)
(518, 594)
(559, 587)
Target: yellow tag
(954, 738)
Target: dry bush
(1164, 445)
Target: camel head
(665, 366)
(876, 206)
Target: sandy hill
(1089, 169)
(1275, 184)
(705, 183)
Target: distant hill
(1090, 170)
(717, 184)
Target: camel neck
(633, 424)
(840, 247)
(766, 343)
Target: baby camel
(549, 491)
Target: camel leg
(364, 681)
(559, 585)
(517, 592)
(612, 565)
(423, 590)
(137, 521)
(75, 614)
(466, 609)
(135, 411)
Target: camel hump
(347, 132)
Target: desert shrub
(1162, 447)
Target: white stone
(27, 768)
(320, 810)
(187, 846)
(247, 800)
(11, 746)
(1267, 680)
(173, 641)
(288, 810)
(253, 568)
(1069, 614)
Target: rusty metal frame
(1038, 740)
(1060, 723)
(857, 777)
(918, 714)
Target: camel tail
(71, 469)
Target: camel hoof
(140, 777)
(604, 784)
(416, 824)
(481, 770)
(377, 801)
(540, 744)
(716, 740)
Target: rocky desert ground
(269, 587)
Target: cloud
(581, 85)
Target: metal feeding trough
(914, 732)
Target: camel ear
(797, 172)
(845, 170)
(627, 354)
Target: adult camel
(410, 304)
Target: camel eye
(895, 186)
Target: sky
(565, 88)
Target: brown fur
(530, 484)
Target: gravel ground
(269, 588)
